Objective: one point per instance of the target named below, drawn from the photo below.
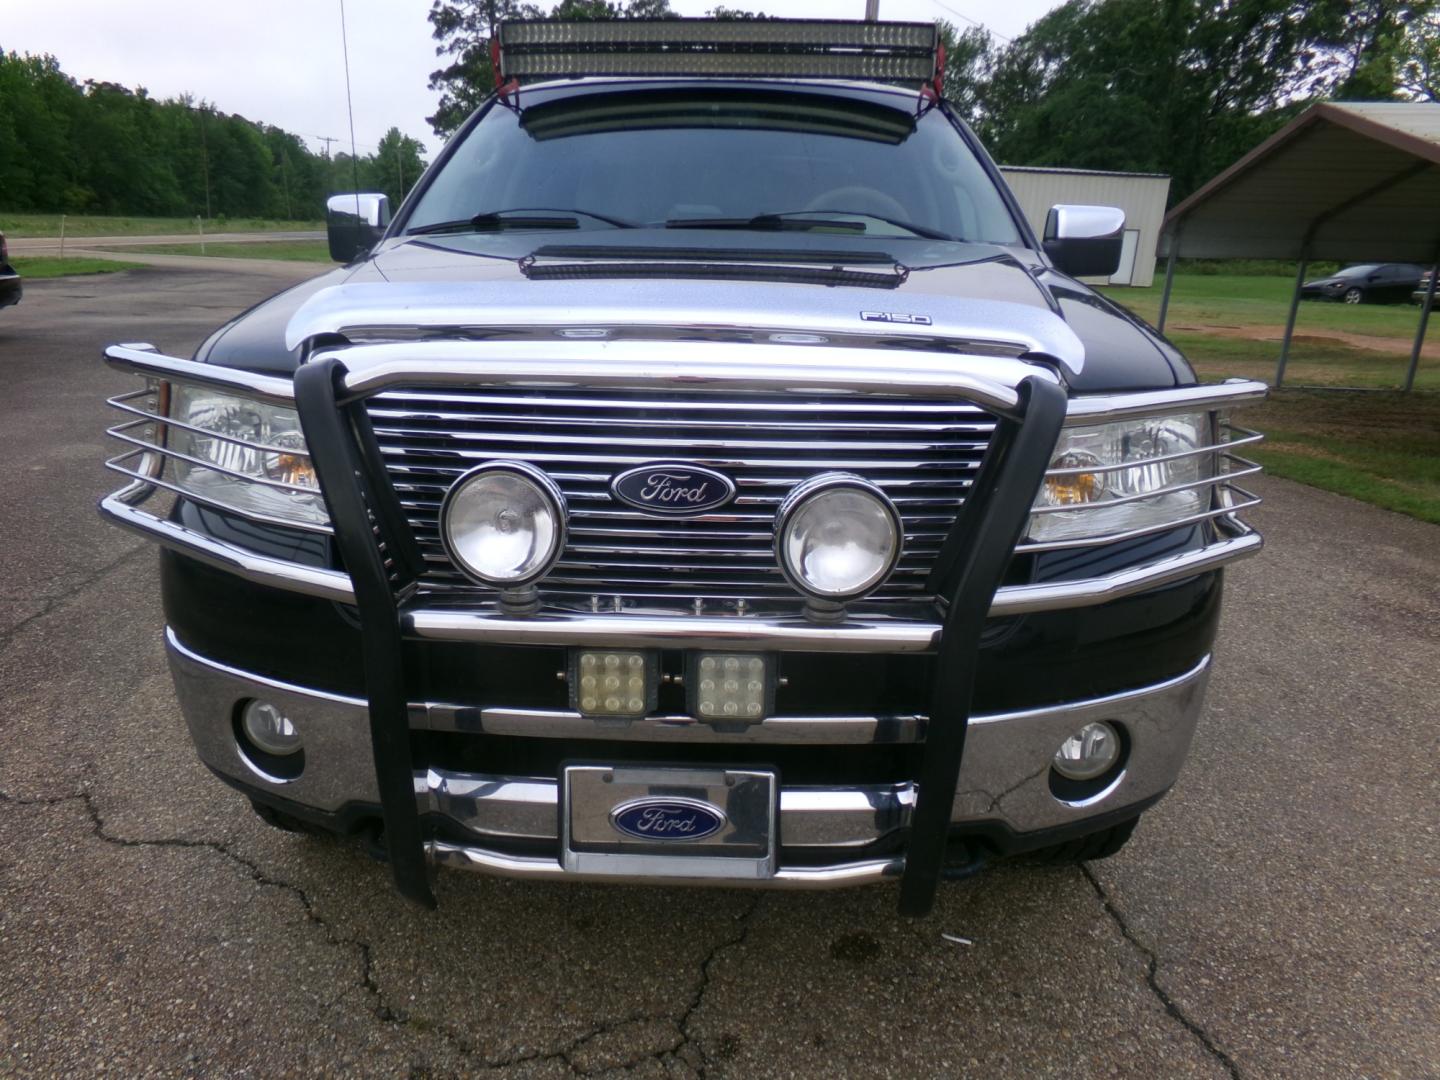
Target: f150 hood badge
(673, 488)
(667, 819)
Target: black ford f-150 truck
(706, 476)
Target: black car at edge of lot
(10, 287)
(1366, 283)
(703, 477)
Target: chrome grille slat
(923, 453)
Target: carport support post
(1425, 306)
(1290, 321)
(1169, 280)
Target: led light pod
(614, 682)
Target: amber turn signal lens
(1074, 488)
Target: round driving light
(503, 523)
(837, 536)
(269, 728)
(1090, 752)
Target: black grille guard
(370, 528)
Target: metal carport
(1354, 182)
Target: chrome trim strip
(717, 366)
(311, 580)
(1224, 491)
(672, 631)
(119, 401)
(840, 875)
(567, 724)
(119, 432)
(153, 481)
(1063, 595)
(1248, 468)
(1213, 448)
(523, 807)
(1100, 408)
(145, 361)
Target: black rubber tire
(1354, 296)
(1098, 845)
(278, 819)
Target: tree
(1419, 68)
(396, 165)
(464, 28)
(969, 56)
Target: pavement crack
(1152, 965)
(745, 920)
(80, 586)
(382, 1011)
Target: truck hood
(976, 298)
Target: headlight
(837, 536)
(1132, 474)
(503, 523)
(244, 454)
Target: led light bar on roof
(906, 53)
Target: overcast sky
(279, 61)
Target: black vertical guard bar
(349, 497)
(968, 570)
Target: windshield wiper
(801, 220)
(538, 218)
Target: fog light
(619, 683)
(1090, 752)
(269, 728)
(730, 686)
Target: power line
(972, 22)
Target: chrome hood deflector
(769, 313)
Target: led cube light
(730, 686)
(614, 682)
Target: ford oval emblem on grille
(673, 487)
(667, 819)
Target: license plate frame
(649, 821)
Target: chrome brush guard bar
(988, 381)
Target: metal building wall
(1141, 195)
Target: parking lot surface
(1275, 916)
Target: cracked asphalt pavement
(1275, 916)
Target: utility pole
(327, 140)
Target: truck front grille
(922, 452)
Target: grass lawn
(16, 226)
(291, 250)
(32, 268)
(1380, 447)
(1225, 300)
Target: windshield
(1358, 271)
(719, 159)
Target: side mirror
(354, 223)
(1085, 241)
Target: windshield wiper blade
(491, 222)
(540, 217)
(908, 226)
(773, 222)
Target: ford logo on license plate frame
(667, 820)
(673, 488)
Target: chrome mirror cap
(354, 222)
(1085, 241)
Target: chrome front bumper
(1003, 780)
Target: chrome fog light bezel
(815, 487)
(549, 492)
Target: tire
(1353, 296)
(1098, 845)
(278, 819)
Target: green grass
(1380, 448)
(43, 266)
(17, 226)
(291, 250)
(1239, 300)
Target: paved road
(1276, 916)
(36, 245)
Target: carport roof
(1354, 182)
